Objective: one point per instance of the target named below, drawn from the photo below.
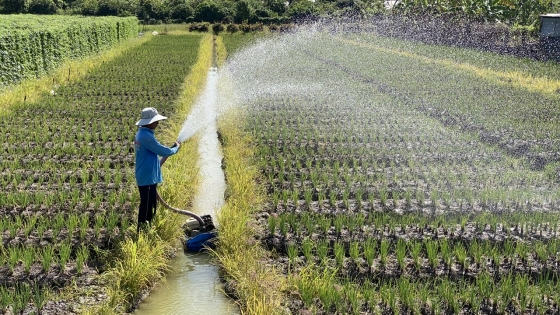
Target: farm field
(405, 178)
(67, 172)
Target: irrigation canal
(193, 285)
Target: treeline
(523, 13)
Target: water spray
(200, 229)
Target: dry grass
(257, 284)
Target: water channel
(193, 285)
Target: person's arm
(153, 145)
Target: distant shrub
(286, 27)
(245, 28)
(258, 27)
(199, 27)
(217, 28)
(232, 28)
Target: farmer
(148, 170)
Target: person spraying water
(148, 166)
(148, 176)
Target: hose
(179, 211)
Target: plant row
(363, 180)
(70, 193)
(33, 45)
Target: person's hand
(177, 144)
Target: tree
(277, 6)
(208, 11)
(16, 6)
(42, 7)
(85, 7)
(180, 10)
(153, 9)
(302, 9)
(243, 11)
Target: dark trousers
(148, 202)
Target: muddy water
(193, 287)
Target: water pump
(200, 230)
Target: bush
(245, 28)
(286, 27)
(258, 27)
(232, 28)
(217, 28)
(199, 27)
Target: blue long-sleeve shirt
(148, 171)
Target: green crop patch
(401, 183)
(68, 184)
(32, 45)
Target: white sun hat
(149, 115)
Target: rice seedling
(415, 250)
(272, 221)
(339, 253)
(47, 256)
(28, 257)
(82, 256)
(384, 251)
(64, 251)
(22, 298)
(14, 254)
(383, 196)
(522, 285)
(40, 295)
(461, 254)
(84, 224)
(30, 225)
(432, 252)
(99, 224)
(389, 296)
(369, 250)
(292, 254)
(401, 253)
(353, 296)
(6, 297)
(338, 223)
(406, 295)
(307, 249)
(327, 295)
(354, 251)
